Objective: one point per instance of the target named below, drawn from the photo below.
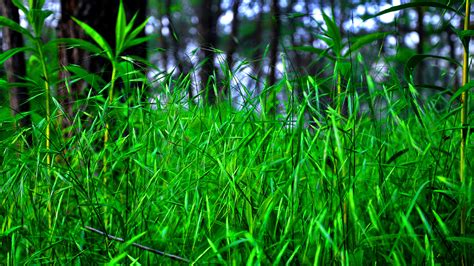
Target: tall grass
(218, 184)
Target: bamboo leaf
(6, 22)
(95, 81)
(462, 89)
(136, 31)
(366, 39)
(96, 37)
(83, 44)
(9, 53)
(19, 4)
(120, 28)
(333, 33)
(137, 41)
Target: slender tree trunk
(233, 43)
(257, 55)
(16, 68)
(67, 28)
(163, 40)
(420, 29)
(275, 40)
(208, 16)
(174, 38)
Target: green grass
(222, 185)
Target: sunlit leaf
(459, 92)
(96, 37)
(366, 39)
(333, 33)
(120, 28)
(9, 53)
(14, 26)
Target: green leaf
(464, 36)
(130, 24)
(14, 26)
(97, 38)
(120, 28)
(83, 44)
(465, 87)
(137, 31)
(95, 81)
(412, 5)
(396, 155)
(36, 18)
(416, 59)
(311, 49)
(366, 39)
(333, 33)
(137, 41)
(9, 53)
(9, 231)
(20, 6)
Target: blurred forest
(226, 45)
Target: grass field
(371, 177)
(225, 185)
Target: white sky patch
(298, 7)
(165, 31)
(165, 21)
(151, 25)
(23, 21)
(391, 40)
(226, 18)
(412, 39)
(388, 17)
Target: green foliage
(225, 185)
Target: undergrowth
(373, 182)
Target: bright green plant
(36, 17)
(125, 37)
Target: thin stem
(464, 119)
(39, 48)
(47, 95)
(140, 246)
(106, 133)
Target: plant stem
(106, 133)
(464, 120)
(46, 95)
(39, 48)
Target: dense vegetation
(365, 172)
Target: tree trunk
(275, 40)
(420, 29)
(16, 68)
(67, 28)
(257, 55)
(208, 15)
(233, 39)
